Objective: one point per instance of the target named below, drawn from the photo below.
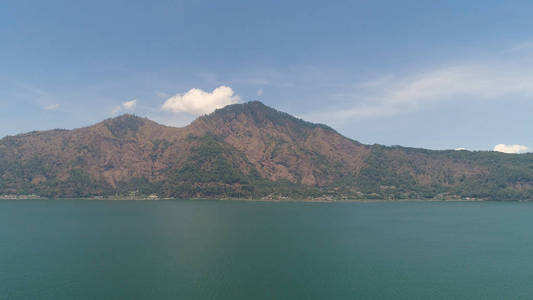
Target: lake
(185, 249)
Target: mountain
(247, 150)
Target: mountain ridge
(247, 150)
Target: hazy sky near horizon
(432, 74)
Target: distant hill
(248, 150)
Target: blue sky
(432, 74)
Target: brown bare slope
(245, 150)
(283, 147)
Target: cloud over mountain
(498, 78)
(52, 107)
(199, 102)
(127, 105)
(511, 148)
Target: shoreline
(267, 200)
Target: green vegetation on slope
(248, 151)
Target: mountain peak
(125, 118)
(125, 125)
(250, 150)
(259, 113)
(256, 106)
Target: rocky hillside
(247, 150)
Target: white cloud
(520, 47)
(162, 94)
(260, 92)
(198, 102)
(116, 110)
(511, 148)
(52, 107)
(392, 95)
(127, 105)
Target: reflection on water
(255, 250)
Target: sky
(431, 74)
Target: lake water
(51, 249)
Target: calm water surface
(51, 249)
